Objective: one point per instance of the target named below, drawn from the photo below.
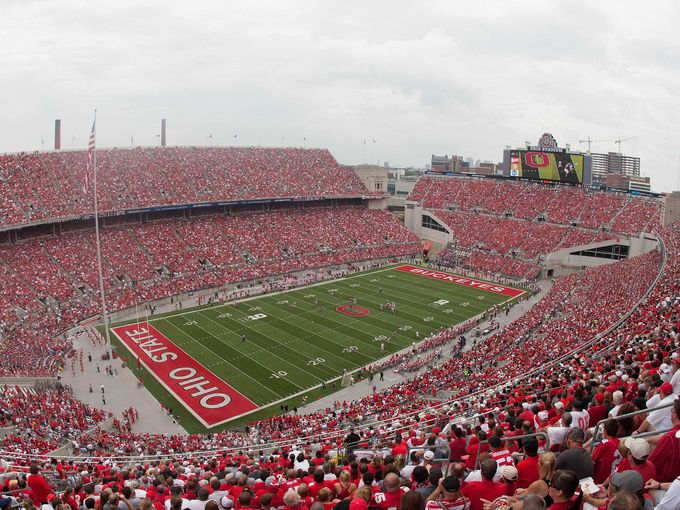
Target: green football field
(297, 340)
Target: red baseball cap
(358, 504)
(666, 388)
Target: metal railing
(375, 423)
(599, 424)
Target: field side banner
(461, 280)
(209, 398)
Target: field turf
(296, 340)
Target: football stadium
(278, 327)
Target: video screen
(549, 166)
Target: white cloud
(443, 77)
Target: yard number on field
(254, 317)
(351, 348)
(316, 361)
(278, 375)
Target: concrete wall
(562, 262)
(413, 220)
(26, 381)
(670, 208)
(377, 203)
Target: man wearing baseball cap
(447, 496)
(661, 418)
(636, 458)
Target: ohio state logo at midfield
(353, 310)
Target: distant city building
(446, 164)
(628, 182)
(614, 163)
(485, 168)
(374, 177)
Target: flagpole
(99, 251)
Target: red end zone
(460, 280)
(209, 398)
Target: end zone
(211, 400)
(496, 288)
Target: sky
(411, 78)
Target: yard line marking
(282, 359)
(220, 357)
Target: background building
(613, 163)
(628, 182)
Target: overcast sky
(419, 78)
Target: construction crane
(590, 140)
(616, 141)
(619, 140)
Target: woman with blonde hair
(344, 488)
(546, 470)
(325, 497)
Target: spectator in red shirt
(607, 452)
(390, 498)
(528, 467)
(399, 447)
(597, 410)
(457, 445)
(38, 485)
(486, 489)
(636, 459)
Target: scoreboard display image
(547, 166)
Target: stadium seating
(56, 276)
(50, 281)
(500, 218)
(38, 187)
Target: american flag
(90, 156)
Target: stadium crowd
(50, 186)
(557, 204)
(560, 369)
(635, 366)
(549, 330)
(509, 227)
(50, 283)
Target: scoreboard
(547, 162)
(547, 166)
